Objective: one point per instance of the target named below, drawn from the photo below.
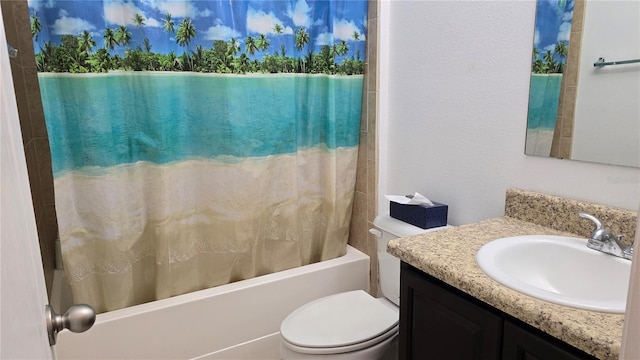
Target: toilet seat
(343, 349)
(339, 323)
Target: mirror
(580, 107)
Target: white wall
(454, 84)
(608, 107)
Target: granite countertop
(449, 255)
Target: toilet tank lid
(400, 228)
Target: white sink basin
(558, 269)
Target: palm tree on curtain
(171, 62)
(309, 61)
(277, 29)
(86, 42)
(232, 50)
(302, 39)
(45, 57)
(138, 21)
(550, 61)
(198, 58)
(241, 64)
(262, 43)
(250, 46)
(234, 46)
(539, 67)
(36, 26)
(110, 39)
(343, 48)
(339, 49)
(356, 37)
(151, 61)
(168, 25)
(123, 36)
(333, 52)
(561, 49)
(186, 31)
(147, 45)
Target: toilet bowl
(354, 324)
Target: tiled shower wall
(563, 134)
(36, 143)
(364, 206)
(34, 131)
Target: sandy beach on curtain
(539, 141)
(203, 202)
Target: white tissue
(418, 199)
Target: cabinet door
(438, 324)
(520, 344)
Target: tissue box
(422, 216)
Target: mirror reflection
(578, 110)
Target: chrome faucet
(602, 239)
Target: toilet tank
(389, 265)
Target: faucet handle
(592, 218)
(600, 233)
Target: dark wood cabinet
(521, 344)
(437, 324)
(438, 321)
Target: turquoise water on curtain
(544, 96)
(113, 119)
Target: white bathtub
(240, 320)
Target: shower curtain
(550, 50)
(197, 143)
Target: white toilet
(352, 325)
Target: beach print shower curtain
(196, 143)
(550, 50)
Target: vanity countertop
(449, 255)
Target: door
(23, 295)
